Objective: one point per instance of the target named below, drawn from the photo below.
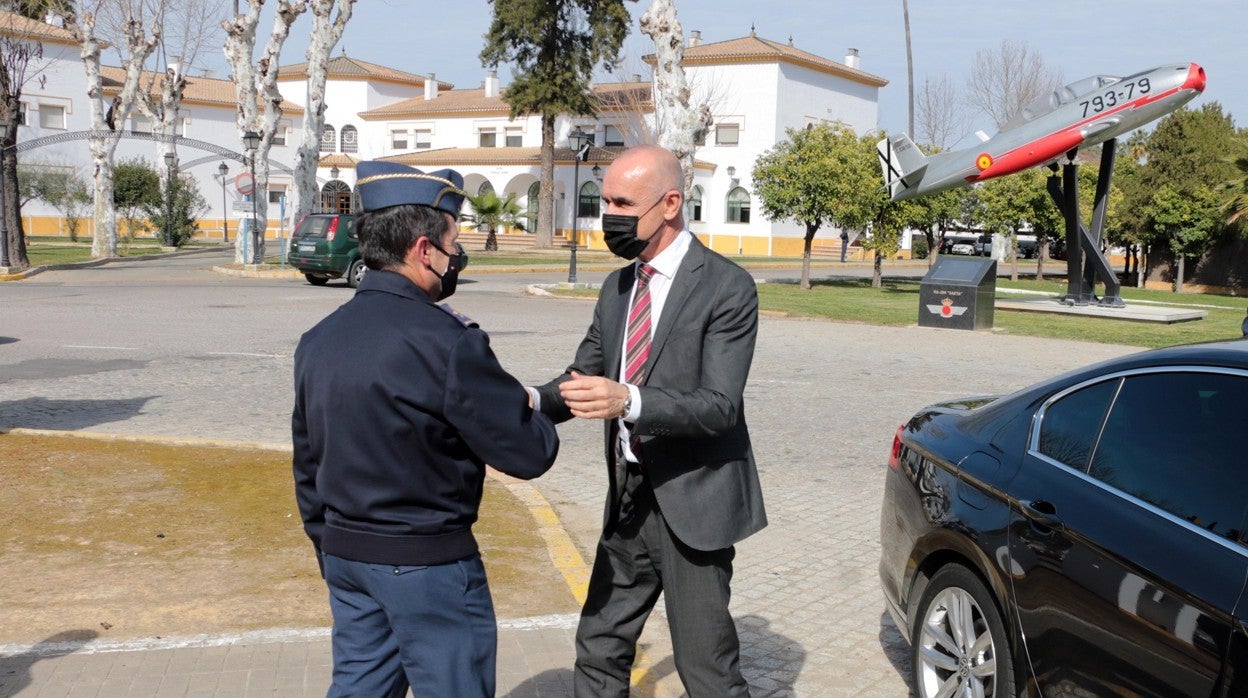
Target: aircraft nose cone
(1195, 78)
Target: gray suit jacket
(694, 439)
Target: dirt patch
(135, 540)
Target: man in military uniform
(399, 406)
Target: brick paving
(168, 348)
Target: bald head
(654, 167)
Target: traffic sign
(244, 183)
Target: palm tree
(489, 212)
(1236, 202)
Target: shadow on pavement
(15, 669)
(895, 647)
(554, 682)
(67, 415)
(43, 369)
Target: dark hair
(387, 235)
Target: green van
(324, 246)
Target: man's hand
(594, 397)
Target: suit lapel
(615, 316)
(688, 275)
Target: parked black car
(324, 246)
(1084, 536)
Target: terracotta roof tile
(13, 24)
(213, 92)
(344, 67)
(752, 49)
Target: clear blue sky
(1079, 38)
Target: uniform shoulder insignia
(463, 319)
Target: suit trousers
(635, 561)
(430, 627)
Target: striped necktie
(637, 335)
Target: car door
(1126, 533)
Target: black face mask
(620, 233)
(450, 277)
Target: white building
(756, 89)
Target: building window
(588, 202)
(530, 205)
(279, 136)
(738, 206)
(21, 114)
(336, 197)
(422, 138)
(276, 195)
(488, 139)
(329, 138)
(485, 188)
(398, 140)
(138, 124)
(350, 139)
(515, 138)
(693, 207)
(52, 116)
(727, 134)
(612, 136)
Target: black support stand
(1085, 263)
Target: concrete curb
(32, 271)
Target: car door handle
(1042, 514)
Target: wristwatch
(627, 406)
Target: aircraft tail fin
(902, 163)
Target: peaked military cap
(385, 184)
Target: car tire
(945, 655)
(355, 273)
(316, 279)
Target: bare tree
(940, 121)
(1007, 79)
(677, 121)
(259, 100)
(327, 29)
(133, 48)
(22, 62)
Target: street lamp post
(169, 159)
(579, 140)
(224, 169)
(4, 226)
(251, 142)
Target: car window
(350, 223)
(1070, 425)
(1170, 440)
(313, 227)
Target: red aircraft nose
(1195, 78)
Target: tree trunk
(12, 213)
(877, 271)
(807, 243)
(677, 122)
(240, 43)
(545, 234)
(1178, 273)
(491, 240)
(1013, 256)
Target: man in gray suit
(664, 364)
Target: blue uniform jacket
(398, 408)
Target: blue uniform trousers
(430, 627)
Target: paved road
(167, 347)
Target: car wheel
(356, 273)
(960, 646)
(316, 279)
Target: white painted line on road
(88, 346)
(255, 637)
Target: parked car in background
(324, 246)
(1083, 536)
(963, 247)
(983, 246)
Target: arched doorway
(336, 197)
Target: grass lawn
(898, 301)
